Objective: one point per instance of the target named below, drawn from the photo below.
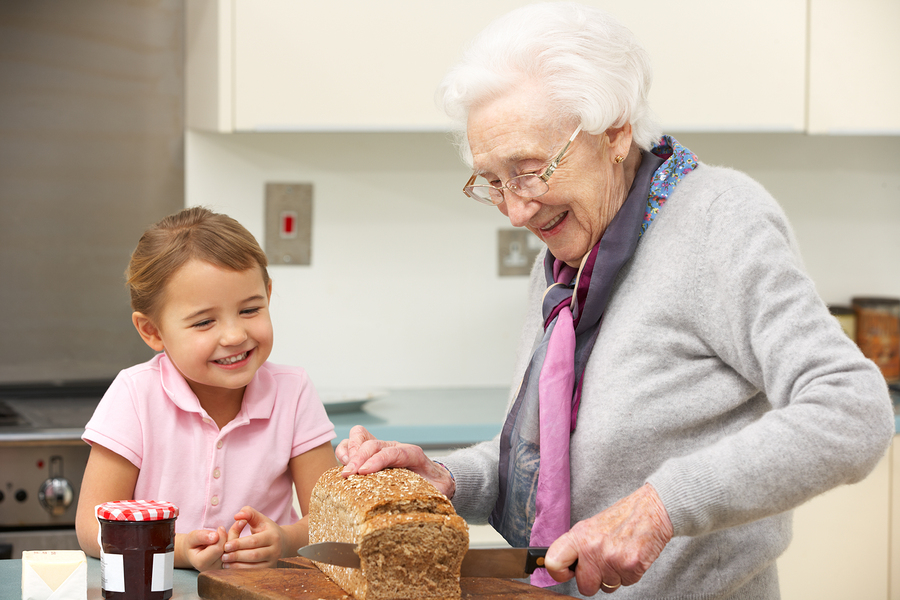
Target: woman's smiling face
(516, 134)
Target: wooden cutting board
(298, 578)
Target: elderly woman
(680, 386)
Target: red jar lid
(137, 510)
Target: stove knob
(21, 495)
(56, 495)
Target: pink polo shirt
(151, 417)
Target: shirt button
(219, 444)
(207, 420)
(217, 473)
(214, 501)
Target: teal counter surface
(184, 588)
(431, 418)
(448, 418)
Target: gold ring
(610, 587)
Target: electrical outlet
(516, 251)
(289, 223)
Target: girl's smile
(232, 360)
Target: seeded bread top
(358, 498)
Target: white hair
(591, 67)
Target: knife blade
(503, 563)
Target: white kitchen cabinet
(323, 66)
(723, 66)
(895, 521)
(282, 65)
(842, 541)
(854, 67)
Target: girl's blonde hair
(193, 233)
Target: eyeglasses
(529, 185)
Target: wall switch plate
(517, 250)
(289, 223)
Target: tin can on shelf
(878, 333)
(137, 549)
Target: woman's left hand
(262, 548)
(363, 453)
(614, 547)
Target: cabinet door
(895, 519)
(352, 65)
(348, 64)
(723, 66)
(841, 543)
(854, 67)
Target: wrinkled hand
(362, 454)
(204, 548)
(614, 547)
(262, 548)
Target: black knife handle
(535, 560)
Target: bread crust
(409, 538)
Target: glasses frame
(545, 176)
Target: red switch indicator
(288, 229)
(288, 223)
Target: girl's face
(214, 325)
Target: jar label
(163, 572)
(112, 572)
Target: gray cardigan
(718, 376)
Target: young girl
(207, 424)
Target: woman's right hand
(362, 454)
(614, 547)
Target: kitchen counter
(431, 418)
(447, 418)
(428, 417)
(185, 582)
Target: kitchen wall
(403, 291)
(91, 152)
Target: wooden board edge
(212, 588)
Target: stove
(43, 460)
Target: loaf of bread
(409, 538)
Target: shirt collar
(259, 397)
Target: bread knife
(503, 563)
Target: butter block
(54, 575)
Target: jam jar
(137, 549)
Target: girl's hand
(203, 548)
(262, 548)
